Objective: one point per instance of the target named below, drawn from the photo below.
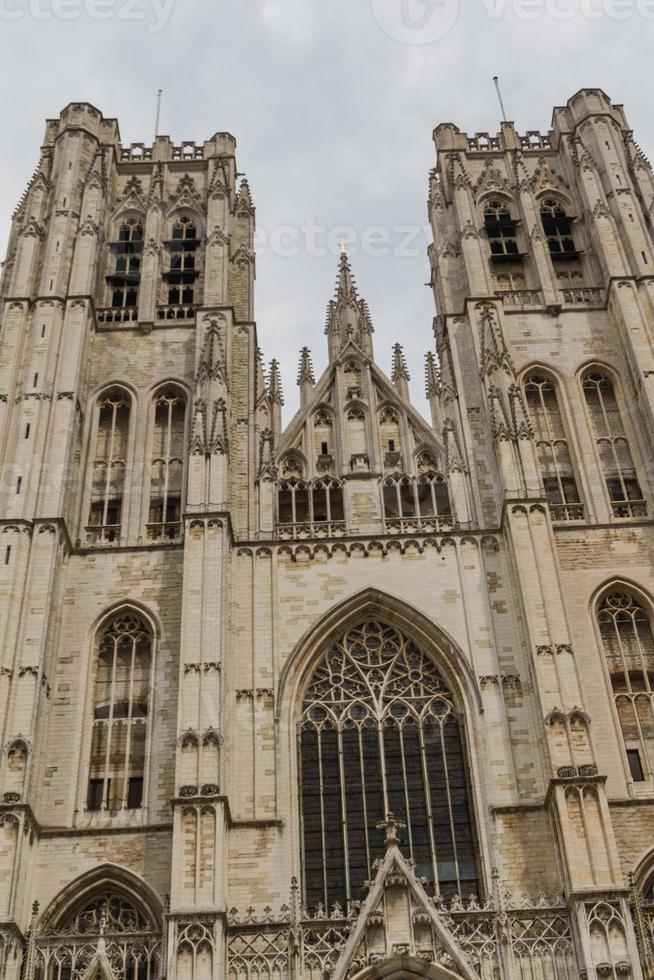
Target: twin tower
(358, 697)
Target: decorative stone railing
(521, 298)
(310, 529)
(566, 512)
(583, 296)
(102, 534)
(175, 313)
(629, 508)
(168, 531)
(117, 314)
(281, 944)
(413, 525)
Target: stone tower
(361, 696)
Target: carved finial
(400, 373)
(275, 383)
(305, 373)
(391, 826)
(432, 376)
(400, 369)
(244, 193)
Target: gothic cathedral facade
(361, 696)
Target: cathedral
(360, 696)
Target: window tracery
(165, 514)
(121, 710)
(380, 732)
(315, 505)
(501, 230)
(183, 270)
(616, 461)
(557, 226)
(628, 642)
(109, 466)
(126, 274)
(130, 941)
(411, 502)
(553, 451)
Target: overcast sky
(333, 103)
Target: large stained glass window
(380, 733)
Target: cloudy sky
(333, 103)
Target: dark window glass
(635, 765)
(379, 724)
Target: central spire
(348, 317)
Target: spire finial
(305, 373)
(391, 826)
(275, 389)
(432, 376)
(400, 369)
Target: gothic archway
(381, 731)
(104, 926)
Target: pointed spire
(345, 285)
(432, 376)
(348, 316)
(244, 196)
(305, 376)
(305, 369)
(276, 395)
(433, 390)
(275, 383)
(400, 375)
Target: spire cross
(343, 248)
(391, 826)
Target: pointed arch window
(109, 465)
(314, 506)
(106, 931)
(613, 448)
(553, 450)
(167, 467)
(410, 502)
(183, 271)
(501, 230)
(126, 274)
(557, 226)
(380, 732)
(626, 631)
(121, 711)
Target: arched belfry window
(121, 710)
(111, 922)
(501, 230)
(626, 631)
(183, 271)
(613, 447)
(380, 732)
(557, 225)
(165, 515)
(125, 276)
(553, 450)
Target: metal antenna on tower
(499, 96)
(156, 123)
